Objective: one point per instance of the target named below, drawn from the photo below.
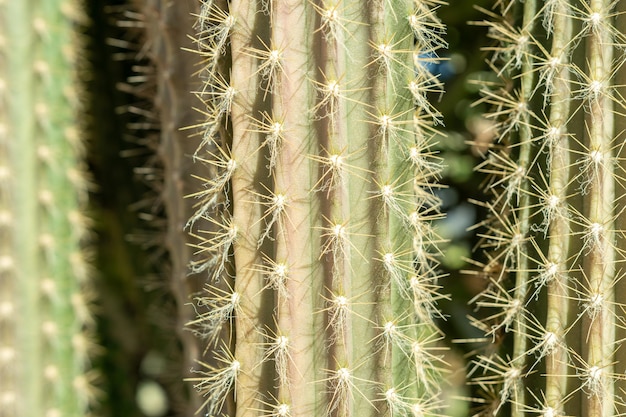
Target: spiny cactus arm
(588, 131)
(556, 268)
(600, 263)
(317, 222)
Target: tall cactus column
(44, 345)
(319, 126)
(552, 232)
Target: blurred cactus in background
(45, 344)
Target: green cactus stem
(44, 287)
(322, 209)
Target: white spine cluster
(357, 183)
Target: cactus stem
(324, 207)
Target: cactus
(162, 82)
(552, 242)
(302, 207)
(44, 319)
(318, 205)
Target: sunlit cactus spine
(319, 196)
(552, 308)
(44, 297)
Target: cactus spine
(321, 206)
(552, 231)
(44, 300)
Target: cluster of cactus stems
(317, 208)
(44, 319)
(552, 242)
(301, 195)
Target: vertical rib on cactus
(510, 212)
(252, 211)
(571, 248)
(297, 232)
(48, 192)
(327, 231)
(556, 266)
(600, 264)
(522, 280)
(8, 284)
(392, 47)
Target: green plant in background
(553, 240)
(318, 203)
(44, 319)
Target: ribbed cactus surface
(43, 294)
(554, 241)
(317, 207)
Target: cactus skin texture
(44, 319)
(552, 307)
(319, 196)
